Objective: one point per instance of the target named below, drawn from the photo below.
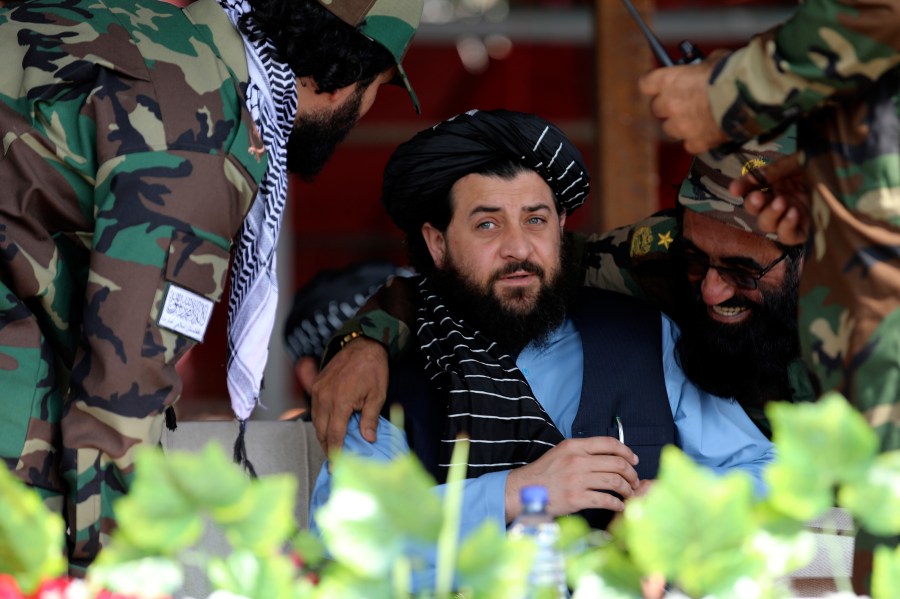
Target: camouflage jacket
(834, 68)
(128, 165)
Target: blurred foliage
(706, 535)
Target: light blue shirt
(715, 432)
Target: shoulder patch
(641, 241)
(185, 312)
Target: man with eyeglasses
(731, 288)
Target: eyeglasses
(697, 265)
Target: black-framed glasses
(697, 265)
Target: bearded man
(731, 287)
(574, 389)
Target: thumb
(650, 83)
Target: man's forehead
(716, 238)
(524, 191)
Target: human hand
(573, 472)
(354, 380)
(678, 97)
(779, 198)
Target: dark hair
(315, 43)
(442, 214)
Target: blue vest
(623, 376)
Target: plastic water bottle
(548, 570)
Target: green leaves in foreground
(31, 537)
(173, 497)
(820, 445)
(693, 527)
(378, 511)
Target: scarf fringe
(171, 423)
(240, 451)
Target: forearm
(827, 50)
(387, 317)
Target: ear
(436, 242)
(562, 219)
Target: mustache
(732, 302)
(515, 267)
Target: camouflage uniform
(837, 61)
(129, 162)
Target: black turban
(421, 171)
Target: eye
(536, 220)
(486, 225)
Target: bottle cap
(533, 494)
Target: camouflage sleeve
(126, 183)
(387, 317)
(826, 50)
(153, 280)
(634, 259)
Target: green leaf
(608, 568)
(798, 493)
(31, 536)
(493, 564)
(377, 511)
(875, 500)
(271, 521)
(146, 577)
(155, 518)
(574, 533)
(254, 576)
(820, 445)
(340, 582)
(692, 526)
(209, 478)
(309, 548)
(886, 573)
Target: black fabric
(488, 401)
(422, 170)
(623, 376)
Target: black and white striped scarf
(488, 399)
(272, 101)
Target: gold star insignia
(665, 239)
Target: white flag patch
(185, 312)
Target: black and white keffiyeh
(272, 101)
(489, 402)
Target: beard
(517, 318)
(315, 137)
(747, 361)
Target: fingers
(603, 446)
(355, 379)
(368, 419)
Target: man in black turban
(574, 389)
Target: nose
(515, 244)
(715, 289)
